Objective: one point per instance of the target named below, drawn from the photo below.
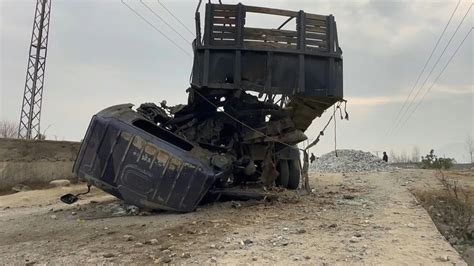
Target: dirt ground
(352, 218)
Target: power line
(439, 75)
(164, 21)
(155, 28)
(176, 18)
(424, 67)
(433, 67)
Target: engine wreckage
(253, 93)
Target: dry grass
(451, 208)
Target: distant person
(312, 158)
(385, 157)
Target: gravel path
(351, 218)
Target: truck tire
(294, 171)
(284, 174)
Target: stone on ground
(60, 183)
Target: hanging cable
(424, 67)
(175, 17)
(164, 21)
(155, 28)
(439, 75)
(432, 68)
(335, 132)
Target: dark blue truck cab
(141, 163)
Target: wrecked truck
(253, 93)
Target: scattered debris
(121, 209)
(153, 241)
(60, 183)
(128, 237)
(248, 241)
(354, 239)
(161, 260)
(236, 204)
(186, 255)
(411, 225)
(443, 258)
(301, 231)
(20, 188)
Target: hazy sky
(101, 54)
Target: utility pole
(33, 95)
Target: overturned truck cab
(253, 93)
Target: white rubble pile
(349, 161)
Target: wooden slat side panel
(224, 21)
(317, 43)
(223, 42)
(224, 29)
(273, 32)
(316, 29)
(315, 48)
(310, 35)
(265, 45)
(272, 39)
(271, 11)
(316, 22)
(219, 13)
(315, 17)
(223, 35)
(224, 7)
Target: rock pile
(349, 161)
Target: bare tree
(415, 155)
(470, 147)
(8, 129)
(404, 157)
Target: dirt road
(356, 218)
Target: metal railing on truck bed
(306, 61)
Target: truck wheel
(294, 171)
(284, 176)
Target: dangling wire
(305, 168)
(345, 110)
(335, 132)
